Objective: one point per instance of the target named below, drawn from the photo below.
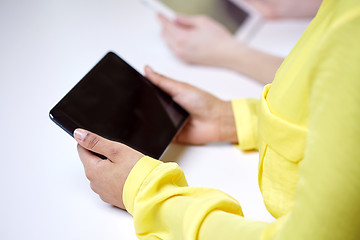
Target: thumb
(186, 21)
(95, 143)
(168, 85)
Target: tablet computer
(237, 16)
(115, 101)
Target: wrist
(135, 179)
(247, 61)
(301, 9)
(227, 128)
(232, 54)
(240, 57)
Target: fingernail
(149, 69)
(80, 134)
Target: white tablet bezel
(252, 24)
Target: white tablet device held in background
(238, 16)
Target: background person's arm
(201, 40)
(285, 8)
(251, 62)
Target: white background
(45, 48)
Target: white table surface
(46, 46)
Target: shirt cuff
(136, 178)
(245, 114)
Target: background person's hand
(285, 8)
(197, 39)
(211, 119)
(201, 40)
(107, 177)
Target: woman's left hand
(107, 177)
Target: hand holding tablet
(116, 102)
(123, 116)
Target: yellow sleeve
(164, 207)
(246, 120)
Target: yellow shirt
(306, 127)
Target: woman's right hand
(211, 119)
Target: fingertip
(80, 135)
(148, 69)
(150, 73)
(184, 20)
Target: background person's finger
(188, 21)
(171, 31)
(166, 23)
(163, 19)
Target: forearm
(297, 9)
(251, 62)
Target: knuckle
(104, 199)
(90, 174)
(114, 151)
(93, 141)
(93, 187)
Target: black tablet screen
(118, 103)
